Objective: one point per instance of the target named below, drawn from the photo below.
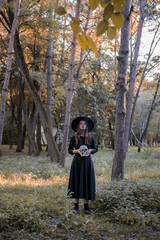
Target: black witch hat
(88, 120)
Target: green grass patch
(33, 202)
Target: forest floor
(34, 206)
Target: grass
(33, 203)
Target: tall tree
(49, 68)
(8, 68)
(119, 156)
(69, 94)
(133, 75)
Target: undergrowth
(33, 203)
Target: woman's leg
(76, 202)
(86, 207)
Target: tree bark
(19, 126)
(0, 3)
(119, 156)
(8, 69)
(49, 69)
(149, 116)
(69, 93)
(52, 146)
(157, 133)
(133, 75)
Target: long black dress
(82, 177)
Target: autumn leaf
(92, 45)
(119, 5)
(83, 42)
(60, 10)
(111, 32)
(75, 27)
(102, 27)
(108, 11)
(93, 4)
(117, 19)
(104, 3)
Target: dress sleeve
(94, 146)
(71, 145)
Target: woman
(82, 178)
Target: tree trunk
(8, 69)
(10, 132)
(49, 69)
(52, 147)
(19, 126)
(0, 3)
(149, 116)
(23, 136)
(119, 156)
(156, 138)
(39, 133)
(133, 75)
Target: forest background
(94, 81)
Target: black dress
(82, 177)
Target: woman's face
(82, 125)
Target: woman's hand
(78, 151)
(89, 151)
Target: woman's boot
(86, 208)
(76, 207)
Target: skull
(84, 150)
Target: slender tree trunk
(69, 93)
(151, 51)
(158, 126)
(0, 3)
(149, 116)
(19, 126)
(10, 130)
(133, 75)
(8, 69)
(49, 70)
(23, 136)
(12, 118)
(119, 156)
(52, 147)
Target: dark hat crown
(88, 120)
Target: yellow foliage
(119, 5)
(102, 27)
(117, 19)
(60, 10)
(93, 4)
(75, 27)
(92, 45)
(108, 11)
(111, 33)
(83, 41)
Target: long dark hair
(79, 133)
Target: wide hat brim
(88, 120)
